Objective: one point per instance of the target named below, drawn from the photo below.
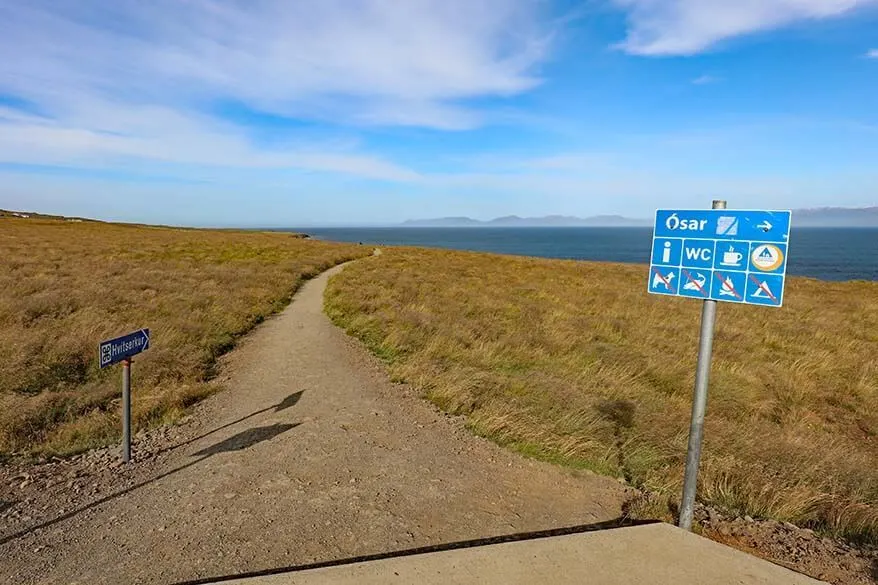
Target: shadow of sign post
(243, 440)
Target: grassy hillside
(65, 285)
(575, 363)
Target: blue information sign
(720, 254)
(115, 350)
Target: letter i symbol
(666, 254)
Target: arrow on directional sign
(765, 226)
(121, 348)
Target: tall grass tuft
(64, 286)
(574, 363)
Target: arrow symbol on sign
(765, 226)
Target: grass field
(574, 363)
(64, 286)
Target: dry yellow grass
(575, 363)
(64, 286)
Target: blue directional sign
(115, 350)
(720, 254)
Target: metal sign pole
(120, 349)
(126, 410)
(699, 406)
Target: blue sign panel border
(113, 351)
(747, 225)
(739, 256)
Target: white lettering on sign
(696, 253)
(117, 349)
(675, 223)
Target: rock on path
(311, 454)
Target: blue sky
(284, 113)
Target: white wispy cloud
(872, 54)
(630, 173)
(135, 80)
(142, 137)
(686, 27)
(705, 80)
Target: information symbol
(666, 254)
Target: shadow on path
(521, 536)
(245, 439)
(242, 440)
(284, 404)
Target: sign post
(121, 349)
(126, 410)
(716, 255)
(699, 406)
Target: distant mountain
(547, 221)
(836, 217)
(818, 217)
(443, 222)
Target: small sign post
(122, 349)
(716, 255)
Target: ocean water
(824, 253)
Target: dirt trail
(311, 454)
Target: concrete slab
(658, 554)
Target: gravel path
(311, 454)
